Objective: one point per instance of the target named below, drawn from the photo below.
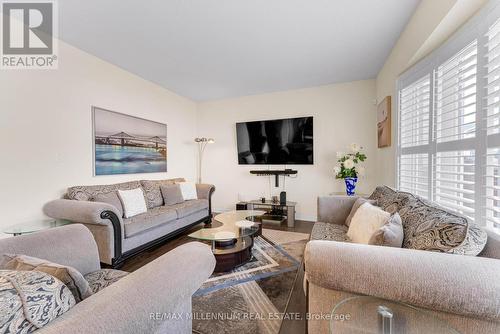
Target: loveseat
(119, 238)
(447, 265)
(125, 303)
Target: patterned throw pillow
(103, 278)
(71, 277)
(29, 300)
(430, 227)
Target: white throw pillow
(133, 202)
(367, 219)
(188, 190)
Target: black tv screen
(276, 142)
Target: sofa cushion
(29, 300)
(153, 217)
(188, 190)
(86, 193)
(391, 234)
(71, 277)
(326, 231)
(102, 278)
(111, 199)
(359, 201)
(133, 202)
(386, 198)
(430, 227)
(187, 208)
(152, 191)
(172, 194)
(367, 219)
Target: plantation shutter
(449, 122)
(492, 115)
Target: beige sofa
(119, 238)
(136, 303)
(462, 290)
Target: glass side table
(34, 226)
(370, 315)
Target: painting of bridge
(125, 144)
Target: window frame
(475, 29)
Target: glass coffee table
(34, 226)
(231, 237)
(370, 315)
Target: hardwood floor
(297, 299)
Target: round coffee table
(370, 315)
(231, 236)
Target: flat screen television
(276, 142)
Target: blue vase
(350, 185)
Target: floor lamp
(202, 143)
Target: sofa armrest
(80, 211)
(70, 245)
(204, 191)
(130, 305)
(335, 209)
(459, 284)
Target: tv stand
(287, 209)
(276, 173)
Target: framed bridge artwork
(125, 144)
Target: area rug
(252, 298)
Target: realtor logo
(28, 35)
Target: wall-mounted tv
(276, 142)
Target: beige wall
(343, 113)
(431, 24)
(46, 130)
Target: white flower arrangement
(348, 163)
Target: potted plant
(348, 168)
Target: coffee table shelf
(231, 236)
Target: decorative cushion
(360, 201)
(29, 300)
(430, 227)
(153, 193)
(133, 202)
(68, 275)
(188, 190)
(367, 219)
(111, 199)
(86, 193)
(386, 198)
(153, 217)
(172, 194)
(391, 234)
(102, 278)
(326, 231)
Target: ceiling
(213, 49)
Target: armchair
(132, 304)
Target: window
(449, 122)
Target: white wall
(46, 129)
(343, 113)
(431, 24)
